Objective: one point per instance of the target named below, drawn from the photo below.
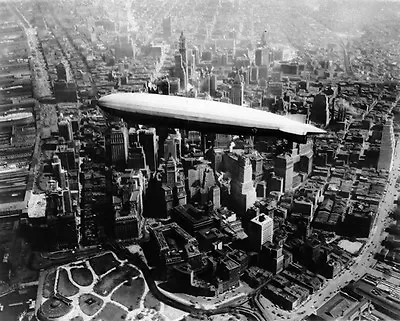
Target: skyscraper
(386, 152)
(128, 209)
(181, 62)
(65, 129)
(149, 140)
(171, 171)
(237, 91)
(254, 74)
(260, 230)
(206, 84)
(183, 50)
(180, 71)
(136, 157)
(172, 146)
(196, 53)
(262, 57)
(213, 85)
(320, 109)
(117, 145)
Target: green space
(150, 302)
(103, 263)
(110, 312)
(48, 284)
(54, 308)
(82, 276)
(130, 294)
(90, 304)
(64, 285)
(111, 280)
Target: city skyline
(199, 160)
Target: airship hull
(202, 115)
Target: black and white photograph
(200, 160)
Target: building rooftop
(37, 206)
(262, 219)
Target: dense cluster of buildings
(211, 210)
(17, 122)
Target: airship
(205, 116)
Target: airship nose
(105, 101)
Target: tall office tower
(272, 257)
(128, 208)
(65, 129)
(213, 85)
(284, 168)
(320, 110)
(172, 146)
(167, 27)
(58, 172)
(254, 74)
(62, 181)
(149, 140)
(215, 196)
(183, 52)
(386, 152)
(61, 72)
(243, 193)
(260, 231)
(200, 181)
(237, 91)
(182, 48)
(165, 190)
(172, 171)
(262, 57)
(191, 66)
(180, 72)
(136, 157)
(205, 84)
(117, 146)
(196, 53)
